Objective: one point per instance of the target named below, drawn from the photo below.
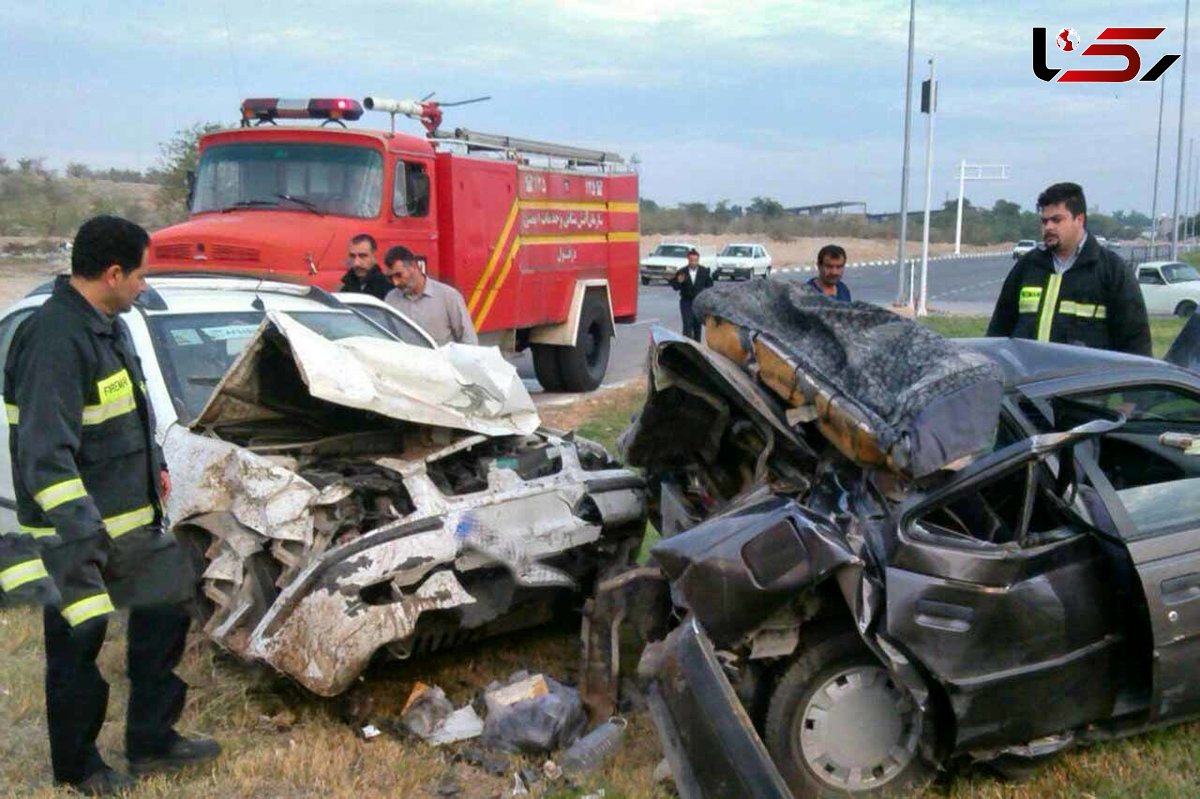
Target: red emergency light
(268, 109)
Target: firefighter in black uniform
(90, 482)
(1072, 290)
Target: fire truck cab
(540, 239)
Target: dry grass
(283, 742)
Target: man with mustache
(1069, 289)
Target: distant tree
(78, 170)
(647, 206)
(766, 207)
(176, 158)
(32, 166)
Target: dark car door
(997, 587)
(1148, 473)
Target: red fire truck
(540, 238)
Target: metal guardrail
(1141, 253)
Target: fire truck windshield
(323, 178)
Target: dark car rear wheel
(840, 725)
(1185, 309)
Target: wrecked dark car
(885, 551)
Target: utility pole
(1187, 10)
(1189, 212)
(981, 173)
(912, 35)
(1187, 190)
(928, 106)
(1187, 193)
(1162, 94)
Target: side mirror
(191, 187)
(418, 194)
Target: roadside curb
(892, 261)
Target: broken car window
(1137, 455)
(196, 350)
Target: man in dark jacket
(690, 281)
(90, 483)
(363, 275)
(1071, 290)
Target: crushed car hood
(286, 365)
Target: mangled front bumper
(494, 563)
(710, 742)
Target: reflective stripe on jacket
(81, 430)
(1096, 303)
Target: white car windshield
(1180, 273)
(671, 251)
(737, 252)
(195, 350)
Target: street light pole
(962, 185)
(1162, 94)
(928, 105)
(912, 35)
(1187, 189)
(1187, 9)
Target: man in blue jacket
(831, 265)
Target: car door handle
(1181, 589)
(944, 616)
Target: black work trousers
(77, 695)
(691, 324)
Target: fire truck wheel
(545, 366)
(583, 366)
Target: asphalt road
(958, 285)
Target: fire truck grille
(173, 252)
(227, 252)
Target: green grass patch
(1163, 329)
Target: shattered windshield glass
(196, 350)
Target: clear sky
(801, 101)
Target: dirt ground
(804, 250)
(17, 278)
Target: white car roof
(1161, 264)
(200, 294)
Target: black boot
(180, 753)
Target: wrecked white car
(346, 492)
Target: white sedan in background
(1169, 287)
(743, 261)
(1023, 246)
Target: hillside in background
(37, 203)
